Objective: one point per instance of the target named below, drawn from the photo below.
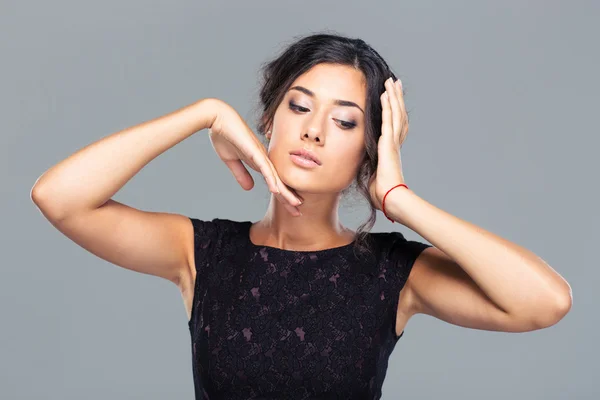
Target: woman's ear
(267, 129)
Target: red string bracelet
(383, 201)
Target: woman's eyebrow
(335, 101)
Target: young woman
(297, 306)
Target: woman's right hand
(234, 142)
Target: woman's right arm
(75, 196)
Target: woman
(296, 306)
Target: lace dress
(268, 323)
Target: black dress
(268, 323)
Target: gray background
(503, 99)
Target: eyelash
(345, 124)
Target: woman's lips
(303, 162)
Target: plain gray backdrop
(503, 101)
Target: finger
(286, 197)
(403, 114)
(255, 158)
(400, 91)
(241, 174)
(386, 115)
(395, 105)
(292, 209)
(295, 193)
(279, 196)
(287, 194)
(263, 164)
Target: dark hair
(308, 51)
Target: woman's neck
(317, 228)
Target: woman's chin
(306, 184)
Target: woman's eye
(344, 124)
(298, 108)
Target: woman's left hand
(394, 128)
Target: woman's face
(312, 117)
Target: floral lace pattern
(269, 323)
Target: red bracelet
(383, 201)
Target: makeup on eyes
(345, 124)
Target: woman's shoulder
(215, 229)
(216, 222)
(212, 238)
(395, 243)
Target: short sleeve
(206, 235)
(402, 256)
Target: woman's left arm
(470, 277)
(474, 278)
